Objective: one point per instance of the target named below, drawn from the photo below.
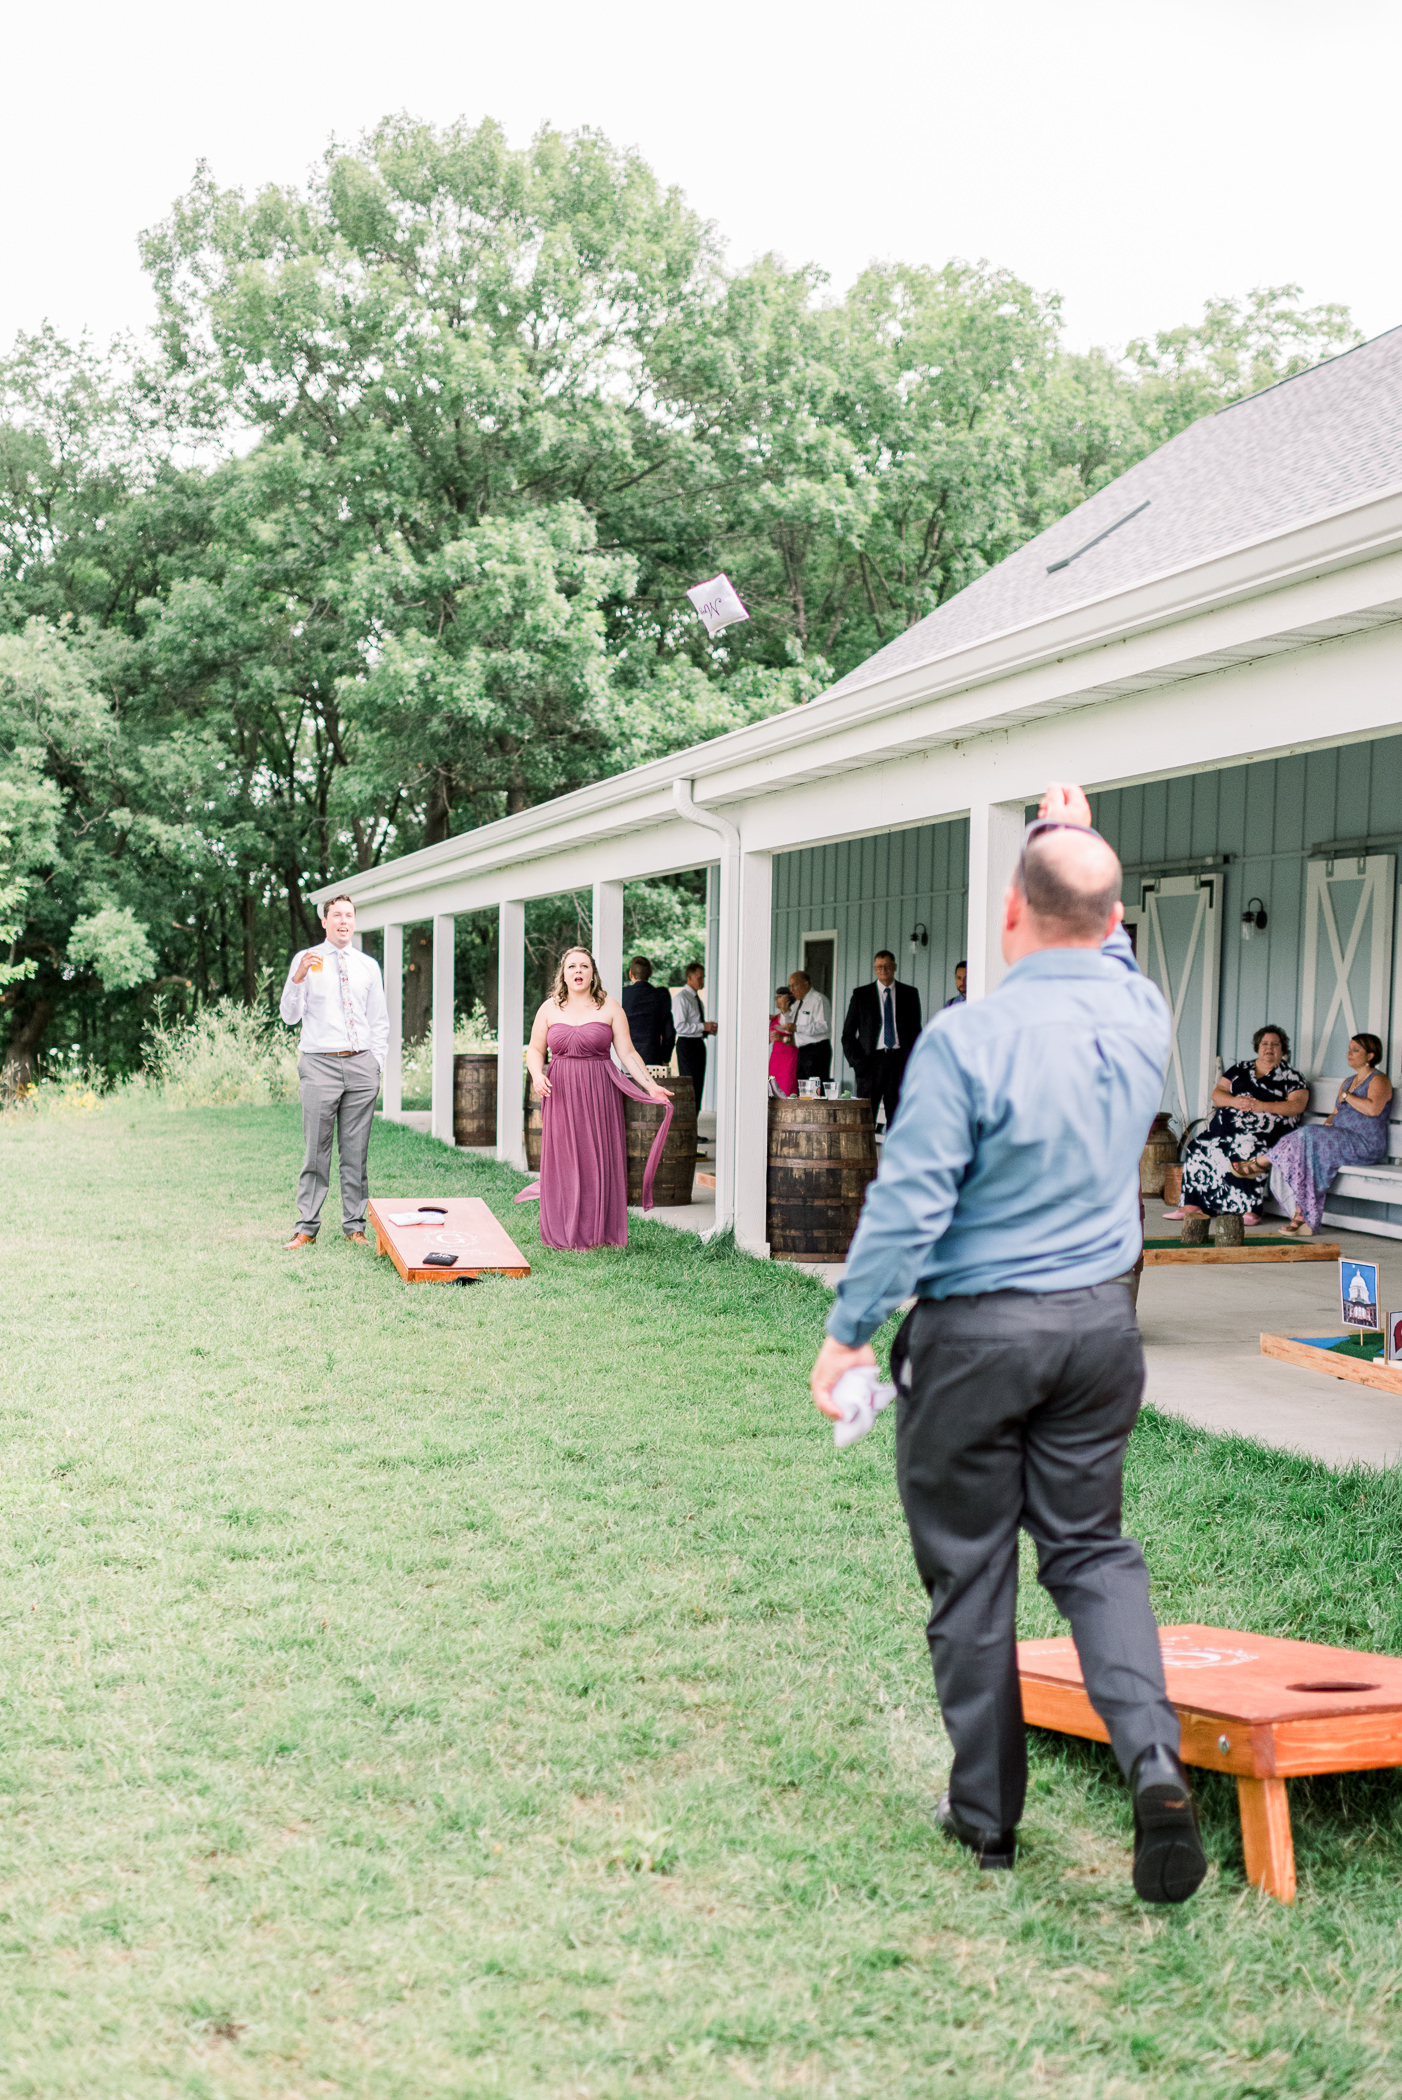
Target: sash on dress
(625, 1085)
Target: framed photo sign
(1358, 1295)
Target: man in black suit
(883, 1021)
(649, 1011)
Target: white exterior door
(1177, 933)
(1346, 974)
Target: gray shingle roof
(1309, 445)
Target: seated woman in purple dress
(583, 1185)
(1303, 1164)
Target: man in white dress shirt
(812, 1028)
(338, 996)
(692, 1027)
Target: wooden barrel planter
(822, 1156)
(475, 1098)
(1160, 1153)
(534, 1105)
(676, 1170)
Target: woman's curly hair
(560, 991)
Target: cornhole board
(1321, 1353)
(469, 1230)
(1266, 1248)
(1264, 1709)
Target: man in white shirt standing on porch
(338, 996)
(812, 1029)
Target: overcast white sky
(1135, 158)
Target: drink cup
(314, 964)
(832, 1089)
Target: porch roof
(1288, 581)
(1320, 442)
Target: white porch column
(393, 1076)
(608, 935)
(744, 1159)
(441, 1119)
(995, 840)
(708, 1091)
(511, 1032)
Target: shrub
(226, 1054)
(416, 1083)
(68, 1086)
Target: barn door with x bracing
(1346, 969)
(1177, 933)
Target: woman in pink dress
(583, 1185)
(783, 1058)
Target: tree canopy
(386, 530)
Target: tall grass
(225, 1056)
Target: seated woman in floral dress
(1254, 1104)
(1356, 1134)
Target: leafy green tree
(505, 408)
(1238, 347)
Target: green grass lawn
(508, 1690)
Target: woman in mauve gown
(583, 1185)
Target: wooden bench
(1264, 1709)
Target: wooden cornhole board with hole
(469, 1230)
(1265, 1248)
(1322, 1353)
(1264, 1709)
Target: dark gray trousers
(1015, 1409)
(338, 1097)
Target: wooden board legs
(1265, 1836)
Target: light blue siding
(1267, 818)
(873, 892)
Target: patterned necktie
(346, 1007)
(888, 1026)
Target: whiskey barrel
(534, 1105)
(822, 1156)
(1160, 1153)
(475, 1098)
(676, 1170)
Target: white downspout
(725, 1009)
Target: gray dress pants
(338, 1096)
(1015, 1409)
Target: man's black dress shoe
(993, 1849)
(1169, 1862)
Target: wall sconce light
(920, 938)
(1253, 919)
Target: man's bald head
(1071, 880)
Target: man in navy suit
(649, 1011)
(883, 1021)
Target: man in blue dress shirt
(1008, 1205)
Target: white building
(1212, 645)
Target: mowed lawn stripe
(507, 1689)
